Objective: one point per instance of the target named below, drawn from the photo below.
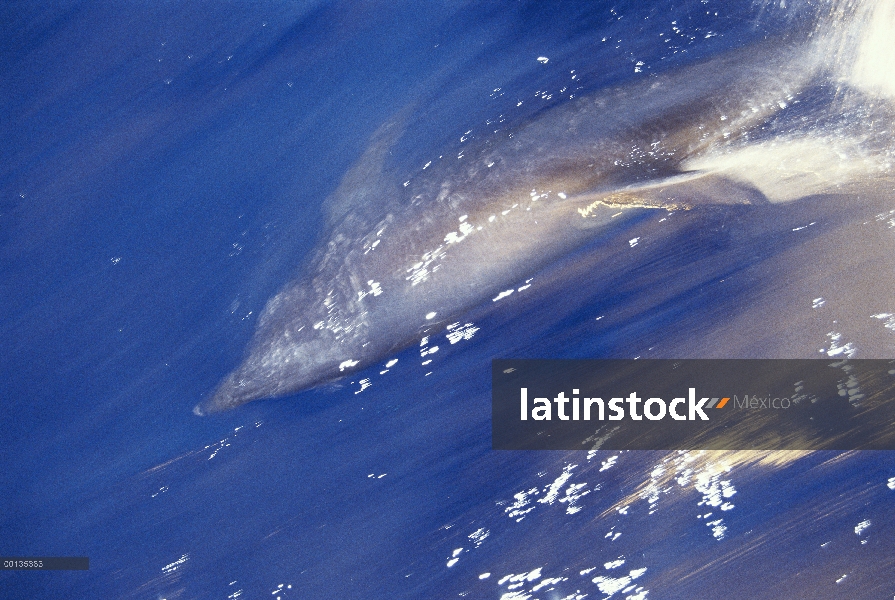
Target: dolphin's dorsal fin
(367, 179)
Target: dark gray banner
(44, 563)
(654, 404)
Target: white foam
(786, 169)
(868, 57)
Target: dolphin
(407, 252)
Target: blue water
(162, 170)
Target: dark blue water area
(162, 172)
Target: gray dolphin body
(399, 258)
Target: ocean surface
(165, 169)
